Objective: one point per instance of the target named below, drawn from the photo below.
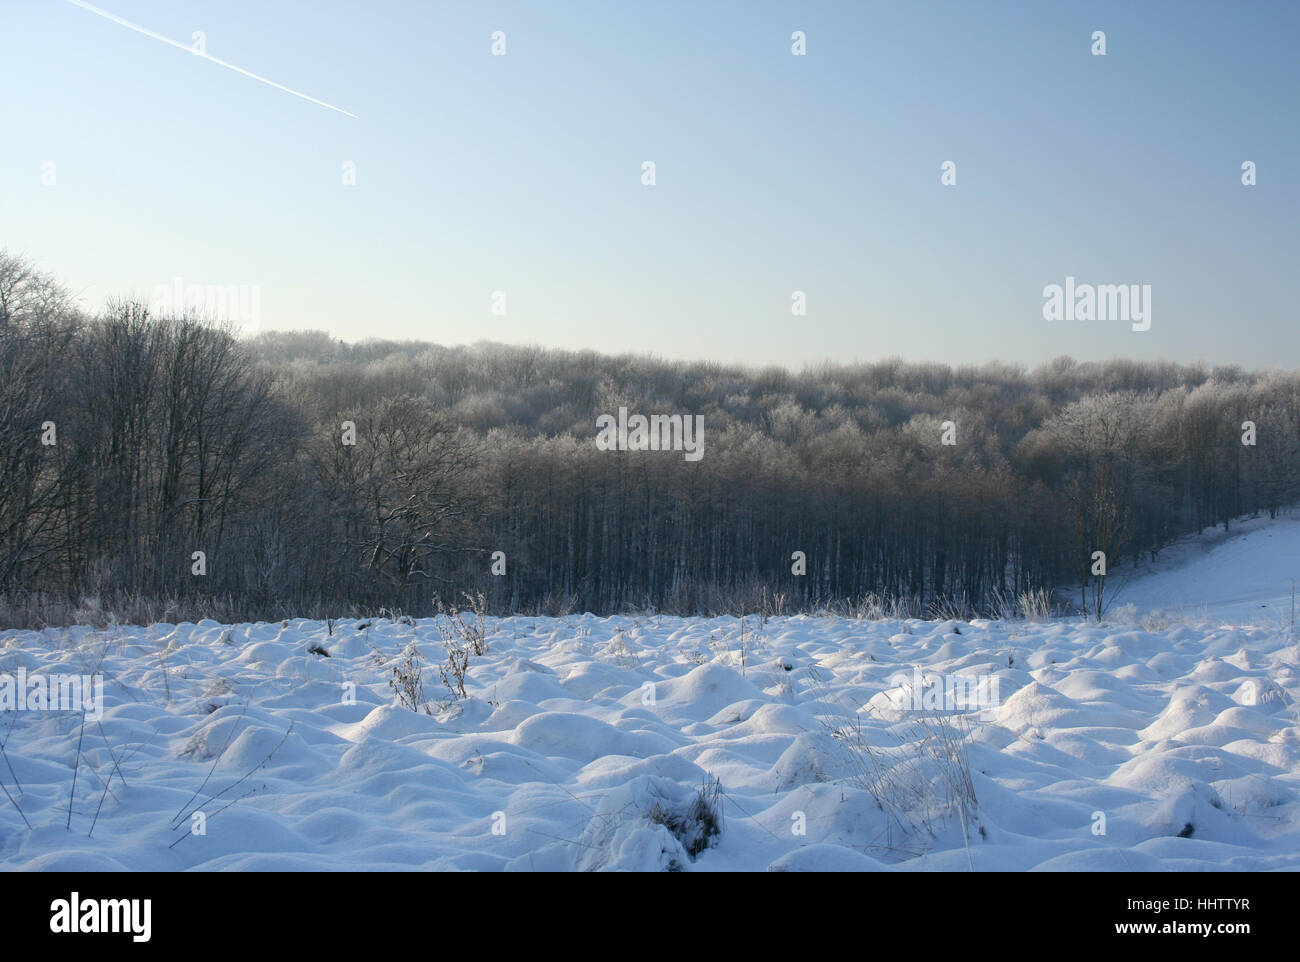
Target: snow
(586, 742)
(1241, 576)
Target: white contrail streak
(230, 66)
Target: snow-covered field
(585, 743)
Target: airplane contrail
(230, 66)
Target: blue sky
(774, 173)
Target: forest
(162, 468)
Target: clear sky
(775, 173)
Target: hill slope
(1243, 576)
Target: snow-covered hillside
(1242, 576)
(585, 743)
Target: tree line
(163, 467)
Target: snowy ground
(1241, 576)
(585, 741)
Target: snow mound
(649, 744)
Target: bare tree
(28, 295)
